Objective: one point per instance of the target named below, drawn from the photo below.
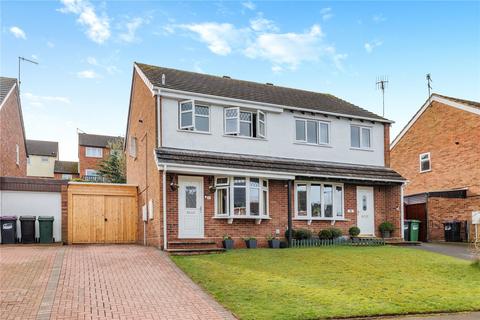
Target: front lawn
(335, 282)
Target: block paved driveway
(98, 282)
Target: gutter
(164, 204)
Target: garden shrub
(354, 231)
(325, 234)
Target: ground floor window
(241, 197)
(318, 200)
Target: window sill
(244, 137)
(194, 131)
(323, 145)
(425, 171)
(362, 149)
(258, 220)
(309, 220)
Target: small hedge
(300, 234)
(330, 233)
(354, 231)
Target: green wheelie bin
(414, 229)
(46, 229)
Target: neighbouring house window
(17, 154)
(66, 176)
(44, 159)
(28, 160)
(93, 152)
(245, 123)
(360, 137)
(425, 163)
(249, 197)
(312, 131)
(194, 117)
(315, 200)
(91, 172)
(133, 147)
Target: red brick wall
(142, 170)
(387, 208)
(11, 134)
(85, 162)
(452, 137)
(448, 209)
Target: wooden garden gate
(102, 213)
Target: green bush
(336, 233)
(354, 231)
(300, 234)
(386, 226)
(325, 234)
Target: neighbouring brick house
(13, 154)
(438, 151)
(66, 170)
(92, 150)
(214, 156)
(41, 158)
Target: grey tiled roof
(252, 91)
(467, 102)
(95, 140)
(66, 167)
(6, 85)
(42, 148)
(300, 168)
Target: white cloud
(369, 46)
(277, 69)
(219, 37)
(92, 61)
(34, 57)
(18, 33)
(249, 5)
(379, 18)
(261, 24)
(39, 101)
(50, 44)
(326, 13)
(98, 27)
(132, 25)
(87, 74)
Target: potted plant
(250, 242)
(354, 232)
(228, 242)
(273, 242)
(386, 228)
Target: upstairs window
(93, 152)
(44, 159)
(360, 137)
(245, 123)
(194, 117)
(312, 131)
(91, 172)
(425, 164)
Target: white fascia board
(417, 115)
(194, 169)
(247, 103)
(8, 95)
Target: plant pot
(251, 244)
(283, 244)
(274, 244)
(355, 239)
(385, 234)
(228, 244)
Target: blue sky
(86, 50)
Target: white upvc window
(17, 154)
(245, 123)
(132, 147)
(91, 172)
(241, 197)
(319, 200)
(44, 159)
(193, 116)
(360, 137)
(66, 176)
(312, 131)
(93, 152)
(425, 162)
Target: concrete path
(457, 250)
(98, 282)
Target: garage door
(100, 213)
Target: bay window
(193, 116)
(245, 123)
(248, 196)
(312, 131)
(317, 201)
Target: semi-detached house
(215, 156)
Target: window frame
(193, 111)
(44, 159)
(17, 154)
(309, 216)
(318, 136)
(230, 186)
(91, 175)
(429, 159)
(259, 122)
(99, 155)
(360, 136)
(254, 122)
(132, 146)
(67, 176)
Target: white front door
(365, 211)
(190, 207)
